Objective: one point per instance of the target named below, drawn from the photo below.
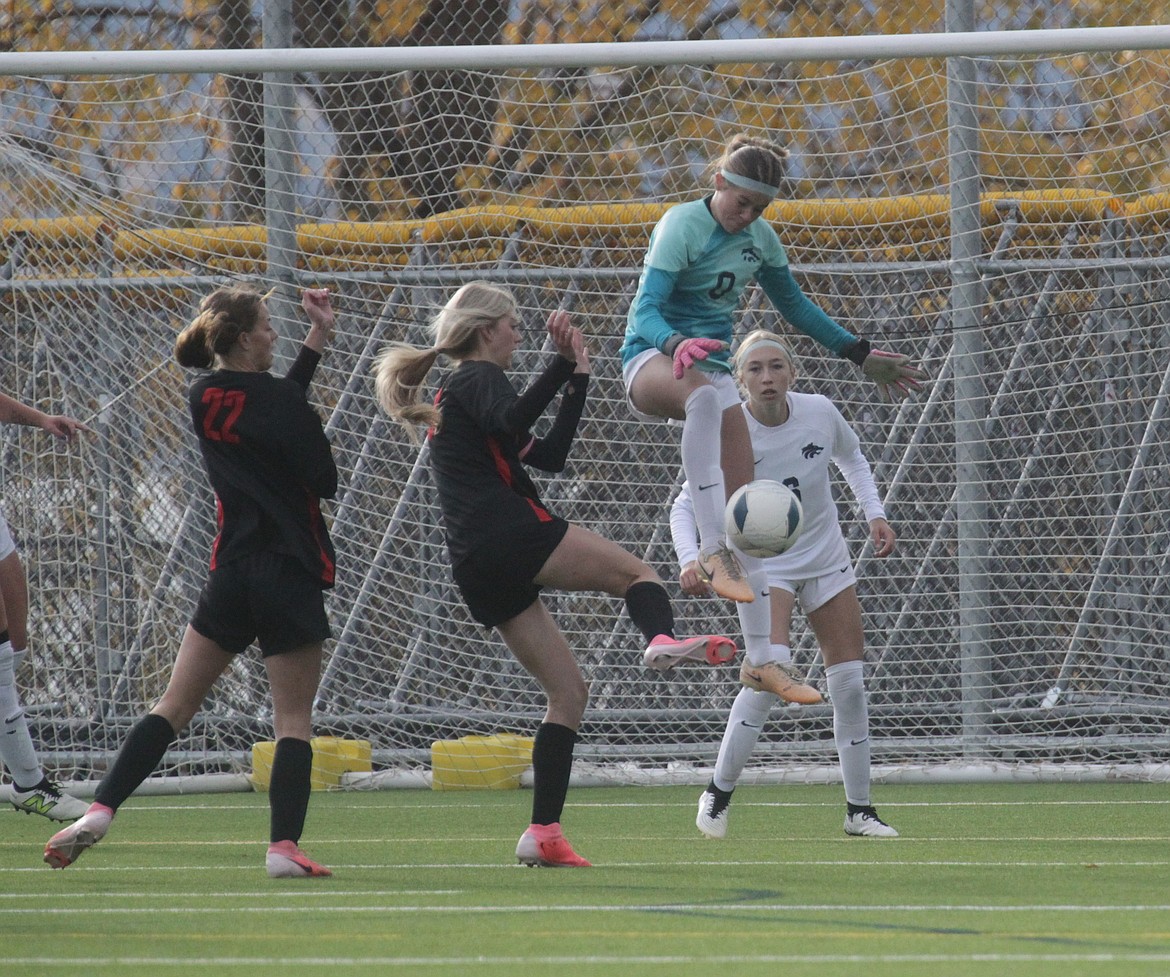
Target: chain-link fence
(130, 197)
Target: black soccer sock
(288, 792)
(141, 752)
(552, 760)
(649, 609)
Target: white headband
(747, 183)
(743, 352)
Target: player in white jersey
(31, 791)
(701, 257)
(796, 437)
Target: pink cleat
(286, 861)
(665, 652)
(545, 846)
(66, 845)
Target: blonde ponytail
(400, 370)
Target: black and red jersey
(269, 463)
(479, 452)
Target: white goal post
(627, 54)
(995, 203)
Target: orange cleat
(780, 679)
(723, 571)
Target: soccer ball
(764, 518)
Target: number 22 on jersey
(223, 410)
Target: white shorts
(814, 592)
(7, 545)
(724, 384)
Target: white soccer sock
(749, 712)
(755, 619)
(700, 460)
(16, 745)
(846, 684)
(781, 653)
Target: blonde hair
(224, 315)
(755, 158)
(400, 370)
(763, 336)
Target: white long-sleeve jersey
(798, 453)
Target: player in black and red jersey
(505, 545)
(269, 462)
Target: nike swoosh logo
(743, 722)
(759, 461)
(703, 488)
(844, 569)
(858, 742)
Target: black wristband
(672, 344)
(857, 351)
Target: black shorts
(496, 579)
(269, 598)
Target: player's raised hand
(560, 330)
(894, 374)
(318, 307)
(580, 351)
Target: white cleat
(712, 816)
(49, 801)
(864, 822)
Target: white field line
(512, 867)
(674, 908)
(476, 962)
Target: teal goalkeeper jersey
(693, 277)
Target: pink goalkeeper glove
(690, 351)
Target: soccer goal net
(1002, 217)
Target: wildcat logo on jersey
(811, 450)
(751, 254)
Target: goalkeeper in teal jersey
(694, 275)
(701, 257)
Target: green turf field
(988, 879)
